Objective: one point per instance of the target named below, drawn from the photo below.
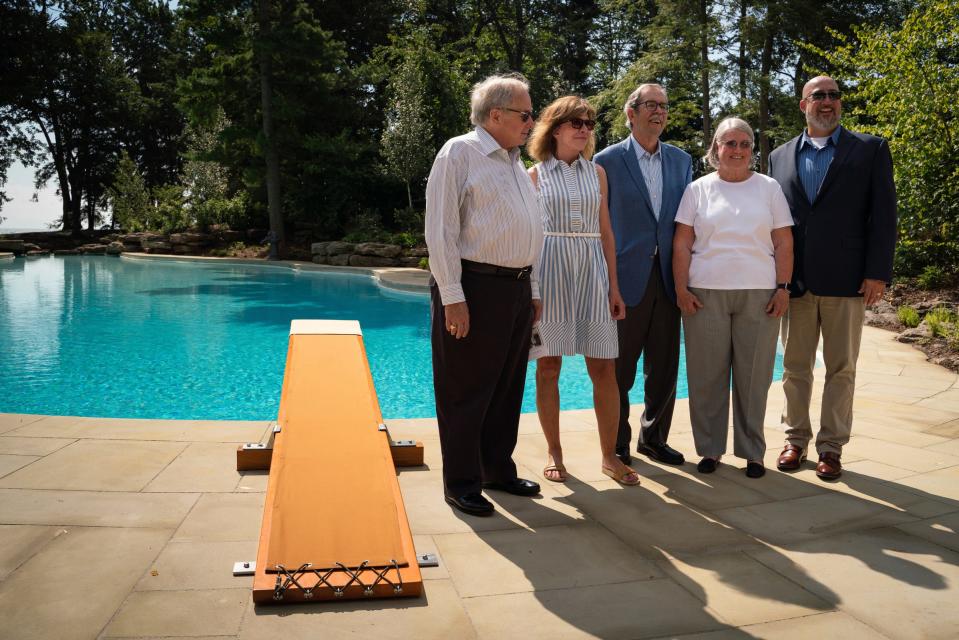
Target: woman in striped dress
(581, 300)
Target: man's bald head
(819, 82)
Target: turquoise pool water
(103, 336)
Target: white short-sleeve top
(732, 223)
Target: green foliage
(367, 227)
(912, 255)
(424, 263)
(903, 85)
(933, 277)
(908, 316)
(129, 196)
(941, 322)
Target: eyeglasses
(651, 105)
(819, 96)
(579, 123)
(732, 144)
(525, 116)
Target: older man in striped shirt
(484, 234)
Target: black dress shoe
(623, 454)
(755, 470)
(661, 452)
(472, 503)
(707, 465)
(516, 486)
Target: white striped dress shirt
(480, 206)
(651, 166)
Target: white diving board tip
(325, 327)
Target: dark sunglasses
(819, 96)
(579, 123)
(525, 116)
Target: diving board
(334, 523)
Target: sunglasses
(732, 144)
(579, 123)
(525, 116)
(819, 96)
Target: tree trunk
(704, 69)
(269, 141)
(409, 194)
(765, 69)
(742, 52)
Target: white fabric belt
(560, 234)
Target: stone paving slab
(71, 589)
(145, 519)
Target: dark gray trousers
(650, 329)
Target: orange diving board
(334, 523)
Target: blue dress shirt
(651, 166)
(812, 163)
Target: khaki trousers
(839, 320)
(731, 336)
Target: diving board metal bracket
(256, 456)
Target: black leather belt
(519, 273)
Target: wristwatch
(783, 285)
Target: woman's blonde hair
(542, 143)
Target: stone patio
(129, 529)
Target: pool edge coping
(403, 279)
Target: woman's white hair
(494, 91)
(712, 156)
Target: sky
(22, 212)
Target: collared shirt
(480, 206)
(651, 166)
(812, 161)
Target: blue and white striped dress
(574, 281)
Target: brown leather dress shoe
(791, 458)
(829, 467)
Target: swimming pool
(109, 337)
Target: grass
(941, 322)
(908, 316)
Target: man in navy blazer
(840, 188)
(646, 182)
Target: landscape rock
(93, 248)
(321, 259)
(339, 248)
(319, 248)
(371, 261)
(915, 334)
(229, 235)
(66, 252)
(419, 252)
(156, 246)
(190, 238)
(14, 246)
(410, 262)
(340, 260)
(378, 249)
(115, 248)
(38, 252)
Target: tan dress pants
(839, 320)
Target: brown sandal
(623, 479)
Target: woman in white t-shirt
(732, 262)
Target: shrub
(941, 322)
(933, 277)
(424, 263)
(908, 316)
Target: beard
(822, 121)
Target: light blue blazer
(640, 238)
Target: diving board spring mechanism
(334, 522)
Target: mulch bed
(883, 315)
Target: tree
(406, 140)
(902, 85)
(129, 197)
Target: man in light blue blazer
(646, 182)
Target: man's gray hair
(634, 96)
(738, 124)
(494, 91)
